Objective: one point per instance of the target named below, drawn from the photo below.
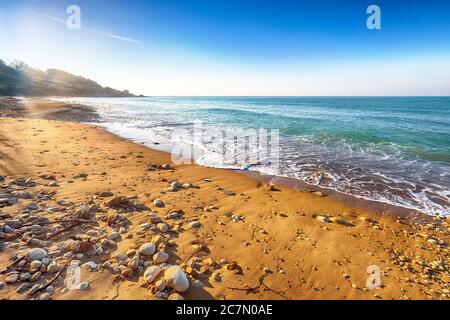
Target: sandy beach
(121, 210)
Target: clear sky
(237, 47)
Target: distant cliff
(19, 79)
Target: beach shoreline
(315, 243)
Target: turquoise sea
(390, 149)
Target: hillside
(19, 79)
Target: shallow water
(390, 149)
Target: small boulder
(195, 224)
(36, 254)
(163, 227)
(159, 203)
(151, 274)
(158, 239)
(176, 278)
(147, 249)
(176, 296)
(83, 286)
(12, 278)
(160, 257)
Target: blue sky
(246, 47)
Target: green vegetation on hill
(19, 79)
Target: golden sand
(253, 243)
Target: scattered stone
(160, 284)
(106, 194)
(32, 207)
(83, 286)
(34, 288)
(195, 224)
(36, 264)
(120, 203)
(24, 286)
(216, 276)
(123, 230)
(12, 278)
(154, 219)
(175, 215)
(113, 235)
(134, 262)
(340, 221)
(121, 257)
(236, 218)
(44, 296)
(176, 278)
(35, 277)
(76, 246)
(53, 268)
(93, 233)
(323, 219)
(158, 239)
(147, 249)
(176, 296)
(159, 203)
(36, 254)
(163, 227)
(91, 265)
(82, 175)
(151, 274)
(25, 276)
(175, 186)
(112, 219)
(160, 257)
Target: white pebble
(176, 279)
(151, 273)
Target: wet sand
(237, 237)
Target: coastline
(285, 230)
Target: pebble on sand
(323, 219)
(176, 279)
(36, 254)
(158, 203)
(151, 274)
(147, 249)
(163, 227)
(160, 257)
(113, 235)
(83, 286)
(12, 278)
(158, 239)
(176, 296)
(195, 224)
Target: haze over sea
(390, 149)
